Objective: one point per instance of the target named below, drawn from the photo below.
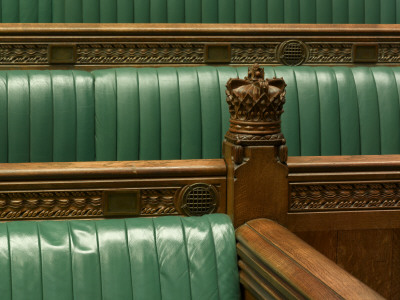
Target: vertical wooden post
(255, 150)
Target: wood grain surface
(299, 267)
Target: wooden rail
(275, 263)
(111, 189)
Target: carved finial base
(255, 140)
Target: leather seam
(379, 110)
(180, 113)
(40, 258)
(71, 257)
(9, 255)
(187, 257)
(338, 105)
(215, 256)
(76, 115)
(158, 259)
(116, 115)
(160, 117)
(201, 116)
(7, 120)
(220, 105)
(129, 256)
(99, 260)
(30, 117)
(358, 110)
(298, 111)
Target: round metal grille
(199, 199)
(292, 53)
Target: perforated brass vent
(199, 199)
(292, 53)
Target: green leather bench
(161, 258)
(181, 113)
(201, 11)
(164, 258)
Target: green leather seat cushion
(142, 258)
(201, 11)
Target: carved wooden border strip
(344, 196)
(104, 54)
(53, 204)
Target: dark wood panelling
(367, 254)
(395, 282)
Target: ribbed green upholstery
(161, 113)
(201, 11)
(46, 116)
(181, 113)
(341, 110)
(160, 258)
(178, 113)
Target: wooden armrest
(276, 263)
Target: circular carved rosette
(292, 53)
(198, 199)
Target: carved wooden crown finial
(255, 73)
(255, 105)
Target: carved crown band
(259, 128)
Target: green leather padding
(161, 113)
(201, 11)
(46, 116)
(341, 110)
(181, 113)
(148, 258)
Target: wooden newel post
(254, 148)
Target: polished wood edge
(275, 249)
(195, 28)
(354, 163)
(112, 169)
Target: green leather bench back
(160, 258)
(46, 116)
(341, 110)
(201, 11)
(173, 113)
(181, 113)
(161, 113)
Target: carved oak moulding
(255, 106)
(194, 199)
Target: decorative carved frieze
(74, 204)
(140, 53)
(335, 53)
(55, 204)
(255, 105)
(389, 53)
(250, 53)
(344, 196)
(23, 54)
(158, 202)
(268, 53)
